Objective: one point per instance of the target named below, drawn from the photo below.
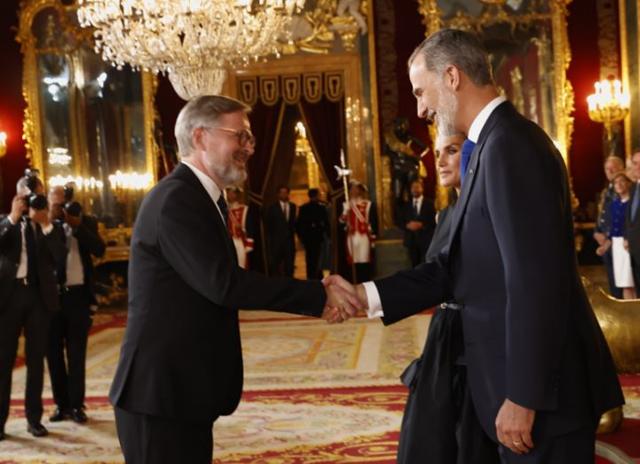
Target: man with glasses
(180, 365)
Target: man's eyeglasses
(245, 137)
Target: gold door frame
(32, 130)
(630, 81)
(564, 101)
(349, 64)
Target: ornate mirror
(528, 44)
(86, 122)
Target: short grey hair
(459, 48)
(203, 111)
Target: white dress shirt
(373, 296)
(284, 205)
(417, 204)
(209, 185)
(75, 269)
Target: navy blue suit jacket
(530, 333)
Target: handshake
(344, 300)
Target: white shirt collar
(207, 182)
(481, 119)
(209, 185)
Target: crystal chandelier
(193, 41)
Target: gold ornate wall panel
(536, 28)
(629, 16)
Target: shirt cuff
(373, 300)
(47, 230)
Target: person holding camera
(31, 247)
(70, 326)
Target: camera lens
(37, 202)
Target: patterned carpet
(314, 393)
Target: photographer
(31, 247)
(70, 326)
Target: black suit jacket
(51, 251)
(280, 232)
(530, 333)
(632, 228)
(181, 356)
(313, 224)
(422, 237)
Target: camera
(32, 182)
(68, 193)
(36, 201)
(73, 208)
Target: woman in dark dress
(439, 425)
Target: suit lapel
(472, 173)
(185, 174)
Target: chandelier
(609, 104)
(193, 41)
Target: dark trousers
(312, 257)
(282, 259)
(607, 259)
(578, 446)
(148, 439)
(69, 330)
(24, 310)
(416, 253)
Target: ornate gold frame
(564, 101)
(628, 80)
(349, 64)
(32, 131)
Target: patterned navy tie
(465, 157)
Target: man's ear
(452, 77)
(197, 138)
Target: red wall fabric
(586, 155)
(11, 104)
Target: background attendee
(240, 226)
(67, 351)
(614, 243)
(361, 220)
(418, 217)
(31, 248)
(632, 223)
(612, 166)
(280, 223)
(180, 366)
(312, 227)
(439, 425)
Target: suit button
(470, 172)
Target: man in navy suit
(539, 370)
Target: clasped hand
(344, 300)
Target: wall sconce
(608, 105)
(3, 144)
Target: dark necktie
(222, 204)
(32, 253)
(635, 202)
(416, 210)
(465, 157)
